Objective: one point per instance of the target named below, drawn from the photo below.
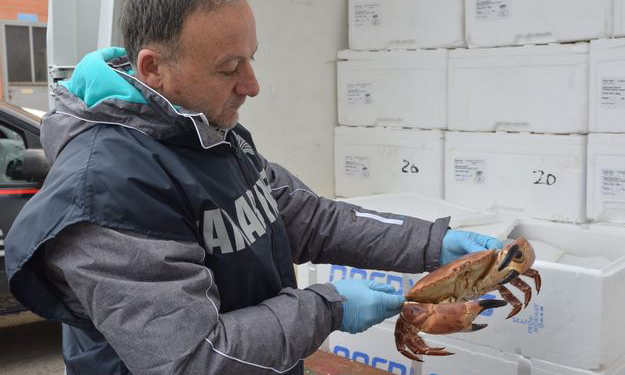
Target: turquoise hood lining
(93, 81)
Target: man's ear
(151, 67)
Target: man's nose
(248, 85)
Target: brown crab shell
(454, 281)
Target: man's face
(213, 73)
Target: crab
(444, 301)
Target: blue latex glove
(368, 303)
(457, 243)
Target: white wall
(293, 118)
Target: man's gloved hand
(457, 243)
(368, 303)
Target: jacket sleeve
(321, 230)
(157, 305)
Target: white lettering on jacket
(254, 210)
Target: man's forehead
(227, 32)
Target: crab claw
(511, 276)
(512, 252)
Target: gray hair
(159, 22)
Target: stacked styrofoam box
(619, 18)
(542, 175)
(606, 177)
(606, 152)
(371, 161)
(532, 88)
(607, 86)
(405, 24)
(576, 319)
(374, 347)
(547, 368)
(393, 88)
(491, 23)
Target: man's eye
(229, 73)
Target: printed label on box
(536, 321)
(491, 10)
(470, 170)
(366, 15)
(612, 94)
(357, 166)
(359, 94)
(613, 183)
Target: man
(165, 242)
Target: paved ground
(31, 349)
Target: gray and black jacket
(167, 246)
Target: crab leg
(526, 289)
(536, 276)
(511, 299)
(410, 344)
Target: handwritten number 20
(544, 178)
(407, 168)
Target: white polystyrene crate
(606, 177)
(370, 161)
(576, 320)
(542, 89)
(547, 368)
(539, 175)
(468, 359)
(491, 23)
(374, 347)
(619, 18)
(405, 24)
(393, 88)
(607, 86)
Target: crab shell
(474, 274)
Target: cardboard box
(491, 23)
(607, 86)
(369, 161)
(405, 24)
(576, 320)
(393, 88)
(542, 89)
(539, 175)
(606, 177)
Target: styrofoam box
(577, 319)
(541, 89)
(376, 347)
(491, 23)
(619, 18)
(541, 175)
(606, 177)
(370, 161)
(547, 368)
(405, 24)
(393, 88)
(607, 86)
(467, 359)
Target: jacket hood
(103, 90)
